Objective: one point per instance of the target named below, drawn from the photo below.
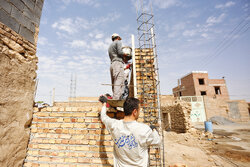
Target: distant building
(197, 83)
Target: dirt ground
(228, 146)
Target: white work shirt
(131, 141)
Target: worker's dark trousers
(117, 78)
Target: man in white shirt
(131, 138)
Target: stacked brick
(147, 94)
(15, 46)
(179, 116)
(70, 137)
(146, 84)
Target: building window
(180, 94)
(217, 90)
(201, 81)
(203, 93)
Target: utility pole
(53, 97)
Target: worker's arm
(106, 119)
(153, 138)
(119, 48)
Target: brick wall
(22, 16)
(71, 137)
(198, 88)
(76, 104)
(223, 88)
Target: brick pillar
(147, 94)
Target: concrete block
(28, 13)
(18, 15)
(36, 20)
(5, 5)
(29, 3)
(38, 11)
(39, 4)
(9, 21)
(27, 34)
(18, 4)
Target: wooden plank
(115, 103)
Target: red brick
(65, 141)
(58, 131)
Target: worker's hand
(128, 66)
(153, 127)
(103, 99)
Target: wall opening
(201, 81)
(203, 93)
(217, 90)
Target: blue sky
(191, 35)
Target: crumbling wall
(17, 78)
(19, 21)
(177, 116)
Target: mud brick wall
(238, 110)
(19, 25)
(179, 116)
(235, 110)
(216, 107)
(17, 78)
(70, 137)
(243, 108)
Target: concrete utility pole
(134, 68)
(53, 97)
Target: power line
(226, 42)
